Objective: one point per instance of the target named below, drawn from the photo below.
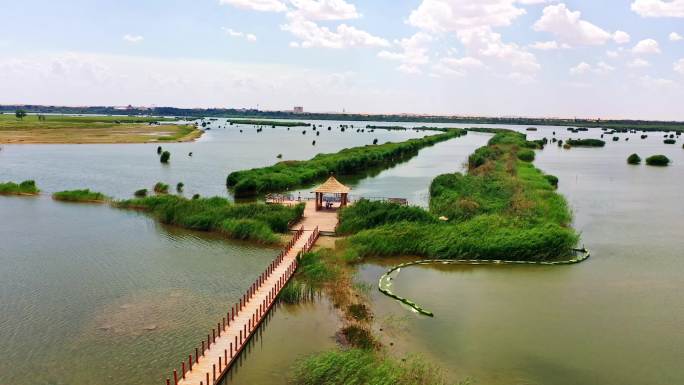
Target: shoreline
(189, 137)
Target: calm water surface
(89, 294)
(613, 320)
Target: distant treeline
(625, 124)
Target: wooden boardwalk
(211, 361)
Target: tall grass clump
(358, 366)
(249, 221)
(27, 187)
(84, 195)
(503, 208)
(165, 156)
(161, 188)
(669, 141)
(366, 214)
(287, 175)
(657, 160)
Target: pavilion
(333, 187)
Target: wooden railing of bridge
(213, 357)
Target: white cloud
(257, 5)
(483, 42)
(659, 8)
(344, 36)
(651, 82)
(584, 68)
(679, 66)
(414, 52)
(674, 36)
(233, 33)
(548, 45)
(457, 66)
(621, 37)
(568, 27)
(325, 9)
(457, 15)
(646, 46)
(133, 38)
(533, 2)
(612, 54)
(638, 63)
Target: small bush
(161, 188)
(616, 138)
(634, 159)
(657, 160)
(195, 196)
(669, 141)
(359, 337)
(140, 193)
(359, 311)
(553, 180)
(165, 156)
(526, 155)
(179, 187)
(159, 150)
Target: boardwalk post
(168, 381)
(213, 370)
(183, 370)
(202, 348)
(175, 377)
(190, 361)
(196, 355)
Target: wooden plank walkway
(211, 361)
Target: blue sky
(608, 58)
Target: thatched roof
(332, 186)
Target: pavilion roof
(332, 186)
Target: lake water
(89, 293)
(615, 319)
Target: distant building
(298, 110)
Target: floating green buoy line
(385, 282)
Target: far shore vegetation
(245, 221)
(272, 123)
(287, 175)
(84, 195)
(27, 187)
(92, 129)
(617, 125)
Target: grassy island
(586, 142)
(503, 208)
(79, 196)
(92, 129)
(657, 160)
(287, 175)
(248, 221)
(27, 187)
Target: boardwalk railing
(246, 329)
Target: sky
(542, 58)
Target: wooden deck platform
(325, 220)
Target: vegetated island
(619, 125)
(586, 142)
(503, 208)
(287, 175)
(27, 187)
(92, 129)
(84, 196)
(657, 160)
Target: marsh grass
(586, 142)
(27, 187)
(634, 159)
(84, 195)
(364, 367)
(245, 221)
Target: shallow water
(614, 319)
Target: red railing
(236, 346)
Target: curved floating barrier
(385, 282)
